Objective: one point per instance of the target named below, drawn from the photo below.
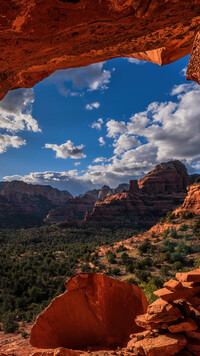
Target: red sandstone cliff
(74, 209)
(24, 204)
(78, 208)
(159, 191)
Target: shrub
(183, 227)
(9, 323)
(121, 248)
(173, 233)
(170, 216)
(131, 280)
(142, 275)
(145, 246)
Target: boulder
(96, 311)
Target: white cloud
(66, 150)
(16, 111)
(124, 143)
(99, 159)
(7, 141)
(166, 130)
(101, 141)
(115, 127)
(77, 164)
(134, 60)
(183, 71)
(97, 124)
(71, 82)
(92, 106)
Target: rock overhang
(38, 37)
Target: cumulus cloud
(164, 131)
(97, 124)
(66, 150)
(124, 143)
(115, 127)
(16, 111)
(101, 141)
(72, 82)
(7, 141)
(92, 106)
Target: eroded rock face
(166, 177)
(158, 192)
(80, 32)
(74, 209)
(191, 203)
(96, 311)
(23, 204)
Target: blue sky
(102, 124)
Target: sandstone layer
(161, 190)
(38, 37)
(96, 311)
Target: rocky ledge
(81, 32)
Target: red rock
(96, 310)
(74, 209)
(172, 285)
(22, 203)
(61, 351)
(164, 345)
(166, 177)
(191, 203)
(183, 326)
(192, 276)
(183, 293)
(193, 334)
(141, 320)
(76, 35)
(194, 347)
(160, 307)
(144, 206)
(193, 72)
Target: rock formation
(172, 322)
(166, 178)
(80, 32)
(191, 203)
(96, 311)
(74, 209)
(78, 208)
(161, 190)
(23, 204)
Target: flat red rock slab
(186, 325)
(61, 351)
(184, 293)
(95, 311)
(192, 276)
(161, 345)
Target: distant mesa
(161, 190)
(138, 204)
(23, 204)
